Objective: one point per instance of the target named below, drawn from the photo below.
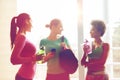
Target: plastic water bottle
(41, 52)
(49, 55)
(88, 47)
(53, 51)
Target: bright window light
(42, 12)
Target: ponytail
(19, 22)
(54, 22)
(13, 31)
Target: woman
(98, 56)
(23, 51)
(53, 41)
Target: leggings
(62, 76)
(18, 77)
(97, 77)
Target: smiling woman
(42, 11)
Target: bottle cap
(42, 48)
(53, 50)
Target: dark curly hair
(99, 26)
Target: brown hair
(19, 22)
(99, 26)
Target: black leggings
(18, 77)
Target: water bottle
(49, 55)
(88, 47)
(41, 52)
(53, 51)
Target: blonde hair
(54, 22)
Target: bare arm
(15, 57)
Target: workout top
(22, 54)
(53, 66)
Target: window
(114, 25)
(106, 10)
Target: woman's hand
(87, 49)
(39, 57)
(47, 57)
(63, 45)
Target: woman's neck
(97, 42)
(52, 37)
(21, 32)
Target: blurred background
(76, 16)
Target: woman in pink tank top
(96, 59)
(23, 51)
